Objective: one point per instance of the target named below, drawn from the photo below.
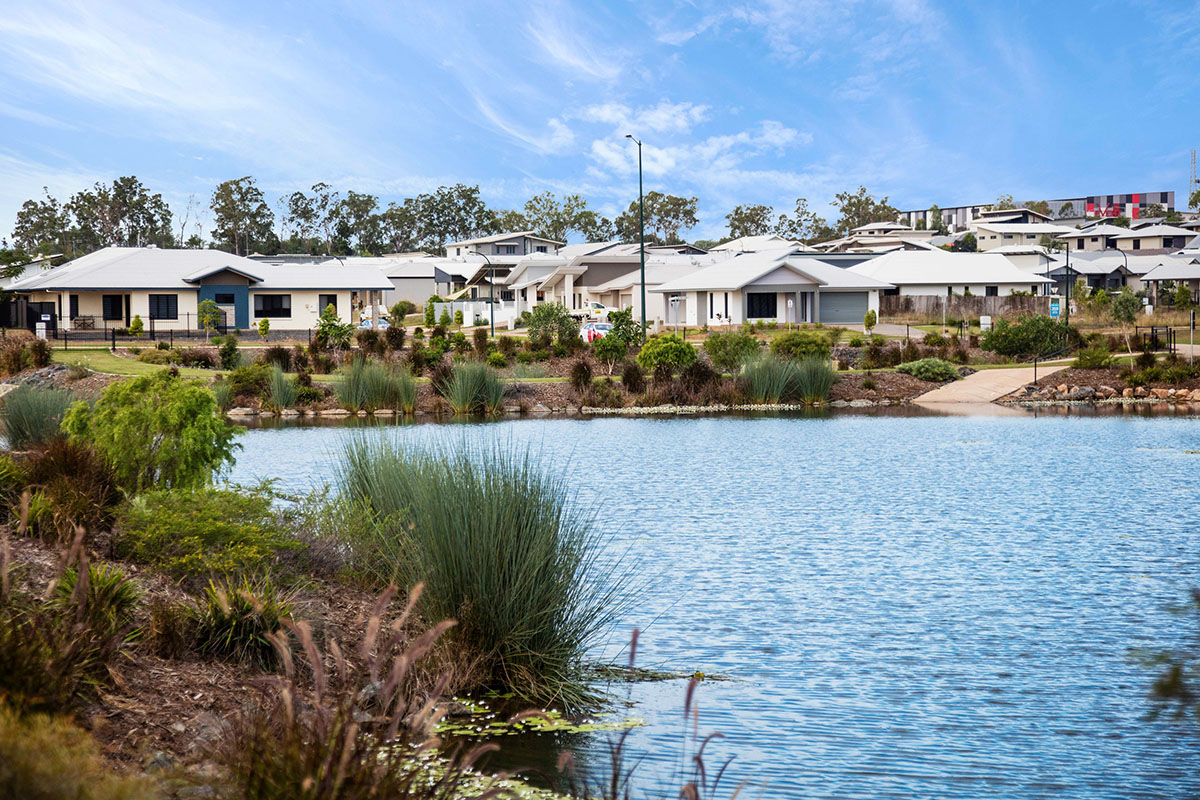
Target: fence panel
(928, 307)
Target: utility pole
(491, 291)
(641, 229)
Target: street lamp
(491, 290)
(641, 229)
(1067, 309)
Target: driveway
(985, 386)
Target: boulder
(1062, 388)
(289, 412)
(1106, 392)
(384, 412)
(1161, 394)
(1127, 392)
(242, 411)
(1141, 392)
(334, 412)
(539, 409)
(512, 408)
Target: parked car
(594, 330)
(365, 325)
(593, 310)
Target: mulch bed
(893, 386)
(1096, 378)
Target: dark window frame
(762, 305)
(324, 301)
(232, 298)
(991, 291)
(280, 306)
(112, 307)
(164, 306)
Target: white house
(108, 288)
(990, 235)
(774, 285)
(936, 272)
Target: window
(1094, 239)
(324, 301)
(949, 291)
(760, 305)
(506, 249)
(74, 304)
(1033, 289)
(710, 305)
(991, 291)
(223, 299)
(727, 305)
(164, 306)
(1168, 241)
(541, 248)
(1137, 244)
(113, 304)
(272, 305)
(458, 251)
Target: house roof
(1103, 229)
(1155, 230)
(1023, 227)
(1011, 212)
(736, 273)
(656, 273)
(141, 268)
(754, 244)
(937, 267)
(586, 248)
(1183, 269)
(504, 237)
(885, 227)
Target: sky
(756, 102)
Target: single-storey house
(108, 288)
(1162, 238)
(1095, 237)
(1172, 272)
(989, 235)
(936, 272)
(775, 285)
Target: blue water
(910, 607)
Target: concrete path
(985, 386)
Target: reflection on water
(912, 605)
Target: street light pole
(1067, 309)
(491, 291)
(641, 229)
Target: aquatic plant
(370, 386)
(281, 390)
(32, 416)
(474, 388)
(768, 378)
(501, 548)
(813, 379)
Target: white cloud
(563, 44)
(665, 117)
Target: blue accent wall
(241, 302)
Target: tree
(208, 314)
(264, 329)
(1152, 211)
(610, 350)
(860, 208)
(549, 320)
(624, 327)
(42, 226)
(870, 320)
(12, 261)
(920, 226)
(595, 228)
(1120, 222)
(1067, 209)
(750, 220)
(359, 226)
(242, 221)
(1183, 295)
(120, 214)
(1003, 203)
(156, 431)
(332, 332)
(669, 351)
(937, 221)
(1124, 310)
(666, 215)
(1040, 206)
(1050, 243)
(1194, 199)
(804, 225)
(728, 350)
(965, 244)
(429, 221)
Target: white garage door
(843, 307)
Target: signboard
(45, 317)
(1054, 307)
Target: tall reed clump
(474, 388)
(281, 390)
(814, 379)
(501, 547)
(32, 416)
(768, 378)
(369, 386)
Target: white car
(365, 325)
(594, 330)
(597, 310)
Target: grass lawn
(99, 360)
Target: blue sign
(1054, 307)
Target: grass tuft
(32, 416)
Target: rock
(839, 404)
(1141, 392)
(539, 409)
(1062, 388)
(1161, 394)
(512, 408)
(572, 410)
(333, 412)
(242, 411)
(1127, 392)
(1196, 395)
(1081, 393)
(159, 760)
(1106, 392)
(289, 412)
(384, 412)
(861, 403)
(178, 727)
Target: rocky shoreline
(1071, 393)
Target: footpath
(983, 387)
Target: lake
(908, 606)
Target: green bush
(814, 379)
(610, 350)
(281, 390)
(552, 320)
(930, 369)
(430, 315)
(1093, 358)
(195, 357)
(159, 357)
(224, 394)
(201, 534)
(32, 416)
(233, 620)
(1030, 335)
(279, 356)
(668, 351)
(136, 326)
(501, 549)
(474, 388)
(229, 355)
(581, 376)
(108, 603)
(497, 360)
(728, 351)
(47, 758)
(768, 378)
(251, 380)
(855, 341)
(401, 310)
(633, 379)
(933, 340)
(156, 431)
(77, 487)
(803, 344)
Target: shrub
(229, 355)
(855, 341)
(277, 356)
(728, 351)
(1030, 335)
(234, 620)
(439, 376)
(1093, 358)
(458, 317)
(668, 351)
(401, 310)
(137, 327)
(480, 340)
(610, 350)
(201, 534)
(802, 344)
(331, 332)
(159, 357)
(195, 357)
(581, 376)
(251, 380)
(47, 758)
(32, 416)
(281, 390)
(501, 549)
(76, 486)
(370, 387)
(394, 337)
(41, 354)
(1145, 360)
(430, 315)
(933, 340)
(552, 320)
(107, 601)
(930, 369)
(698, 376)
(13, 356)
(507, 345)
(524, 357)
(633, 379)
(814, 378)
(368, 341)
(474, 388)
(768, 378)
(868, 384)
(497, 360)
(162, 345)
(156, 430)
(223, 393)
(445, 320)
